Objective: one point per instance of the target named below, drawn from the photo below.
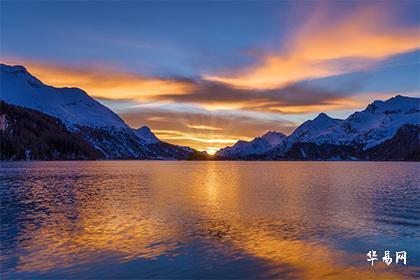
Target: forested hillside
(31, 135)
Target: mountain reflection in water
(141, 219)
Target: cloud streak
(107, 83)
(203, 130)
(324, 47)
(104, 81)
(293, 98)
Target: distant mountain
(258, 146)
(80, 113)
(27, 134)
(364, 135)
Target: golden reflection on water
(146, 209)
(109, 221)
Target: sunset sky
(205, 74)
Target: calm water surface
(141, 219)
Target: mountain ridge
(146, 134)
(257, 146)
(362, 131)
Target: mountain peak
(323, 120)
(258, 146)
(20, 72)
(323, 116)
(144, 128)
(272, 132)
(146, 134)
(13, 69)
(274, 137)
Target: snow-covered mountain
(319, 130)
(81, 114)
(381, 120)
(73, 106)
(274, 138)
(84, 116)
(381, 123)
(258, 146)
(363, 130)
(146, 135)
(370, 127)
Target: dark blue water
(157, 219)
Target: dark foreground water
(142, 219)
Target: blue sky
(232, 68)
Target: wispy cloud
(108, 83)
(325, 46)
(293, 98)
(203, 127)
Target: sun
(211, 150)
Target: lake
(209, 219)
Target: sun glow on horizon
(201, 141)
(212, 150)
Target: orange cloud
(316, 49)
(333, 105)
(102, 81)
(366, 33)
(105, 82)
(203, 127)
(273, 71)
